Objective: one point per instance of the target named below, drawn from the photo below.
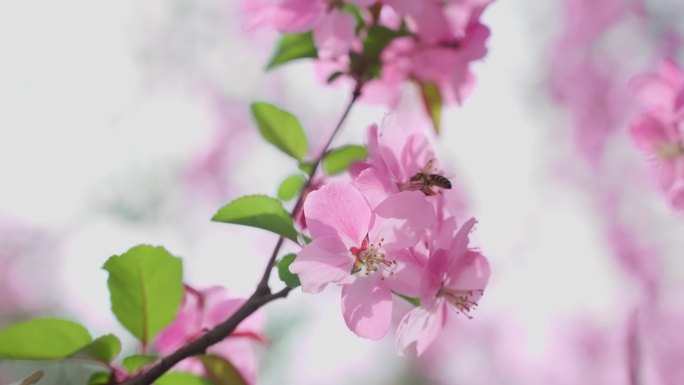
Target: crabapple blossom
(201, 311)
(658, 130)
(445, 38)
(361, 249)
(455, 276)
(333, 30)
(400, 160)
(445, 64)
(394, 158)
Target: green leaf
(182, 378)
(99, 378)
(339, 160)
(221, 372)
(103, 349)
(290, 279)
(306, 167)
(42, 339)
(137, 361)
(146, 288)
(292, 47)
(258, 211)
(432, 101)
(291, 187)
(281, 129)
(415, 301)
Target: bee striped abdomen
(440, 181)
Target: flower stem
(261, 296)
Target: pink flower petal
(241, 353)
(406, 279)
(653, 92)
(374, 186)
(338, 210)
(298, 15)
(434, 275)
(419, 328)
(402, 219)
(178, 332)
(367, 307)
(335, 35)
(323, 261)
(470, 272)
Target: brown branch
(261, 296)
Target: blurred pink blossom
(208, 171)
(658, 129)
(201, 311)
(22, 248)
(663, 342)
(587, 81)
(445, 63)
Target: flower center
(370, 259)
(670, 150)
(462, 300)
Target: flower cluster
(445, 38)
(391, 229)
(387, 43)
(658, 130)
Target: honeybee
(427, 178)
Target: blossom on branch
(201, 311)
(360, 249)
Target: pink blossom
(658, 130)
(394, 158)
(584, 78)
(455, 276)
(284, 15)
(333, 30)
(23, 288)
(403, 160)
(201, 311)
(662, 94)
(435, 21)
(448, 37)
(663, 342)
(207, 172)
(360, 249)
(335, 36)
(445, 63)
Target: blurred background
(128, 122)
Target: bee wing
(431, 166)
